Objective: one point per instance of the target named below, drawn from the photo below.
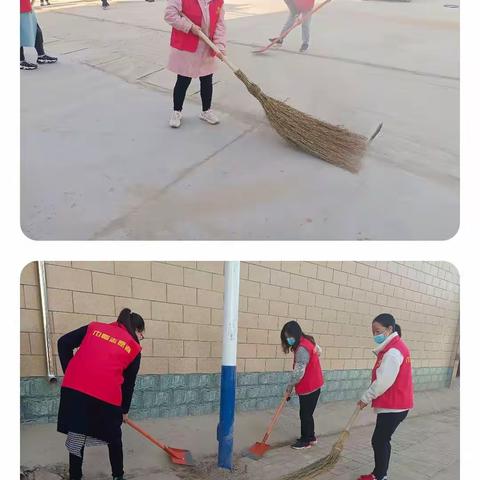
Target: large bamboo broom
(328, 142)
(328, 462)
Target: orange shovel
(177, 455)
(259, 449)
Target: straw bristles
(320, 466)
(328, 142)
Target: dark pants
(115, 452)
(308, 403)
(180, 90)
(387, 423)
(38, 44)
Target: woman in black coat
(98, 386)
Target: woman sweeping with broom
(98, 386)
(391, 391)
(190, 57)
(307, 378)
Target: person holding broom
(98, 386)
(307, 378)
(190, 57)
(297, 8)
(391, 390)
(31, 36)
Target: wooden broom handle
(352, 420)
(220, 55)
(275, 418)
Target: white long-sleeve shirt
(387, 373)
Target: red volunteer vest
(304, 5)
(400, 394)
(313, 378)
(191, 8)
(25, 6)
(97, 367)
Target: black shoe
(27, 66)
(43, 59)
(276, 40)
(122, 477)
(42, 3)
(105, 4)
(301, 445)
(304, 47)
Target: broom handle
(219, 54)
(146, 435)
(352, 420)
(275, 418)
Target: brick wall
(182, 305)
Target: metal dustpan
(177, 455)
(259, 449)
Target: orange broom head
(258, 450)
(180, 456)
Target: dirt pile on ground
(207, 469)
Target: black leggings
(115, 452)
(38, 44)
(308, 403)
(180, 90)
(387, 423)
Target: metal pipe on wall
(47, 335)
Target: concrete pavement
(99, 161)
(426, 446)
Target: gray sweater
(302, 357)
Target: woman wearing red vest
(307, 378)
(391, 390)
(31, 36)
(190, 57)
(98, 386)
(297, 8)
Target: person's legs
(115, 452)
(39, 42)
(75, 469)
(291, 17)
(308, 403)
(306, 29)
(206, 91)
(180, 91)
(386, 425)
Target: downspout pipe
(47, 331)
(229, 365)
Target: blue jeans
(294, 13)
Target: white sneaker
(210, 117)
(176, 119)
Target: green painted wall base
(199, 394)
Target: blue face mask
(291, 341)
(380, 338)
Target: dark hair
(132, 321)
(293, 329)
(388, 320)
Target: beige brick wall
(182, 305)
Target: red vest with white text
(191, 8)
(304, 5)
(313, 378)
(25, 6)
(400, 395)
(97, 367)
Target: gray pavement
(100, 162)
(426, 446)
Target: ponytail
(398, 329)
(132, 321)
